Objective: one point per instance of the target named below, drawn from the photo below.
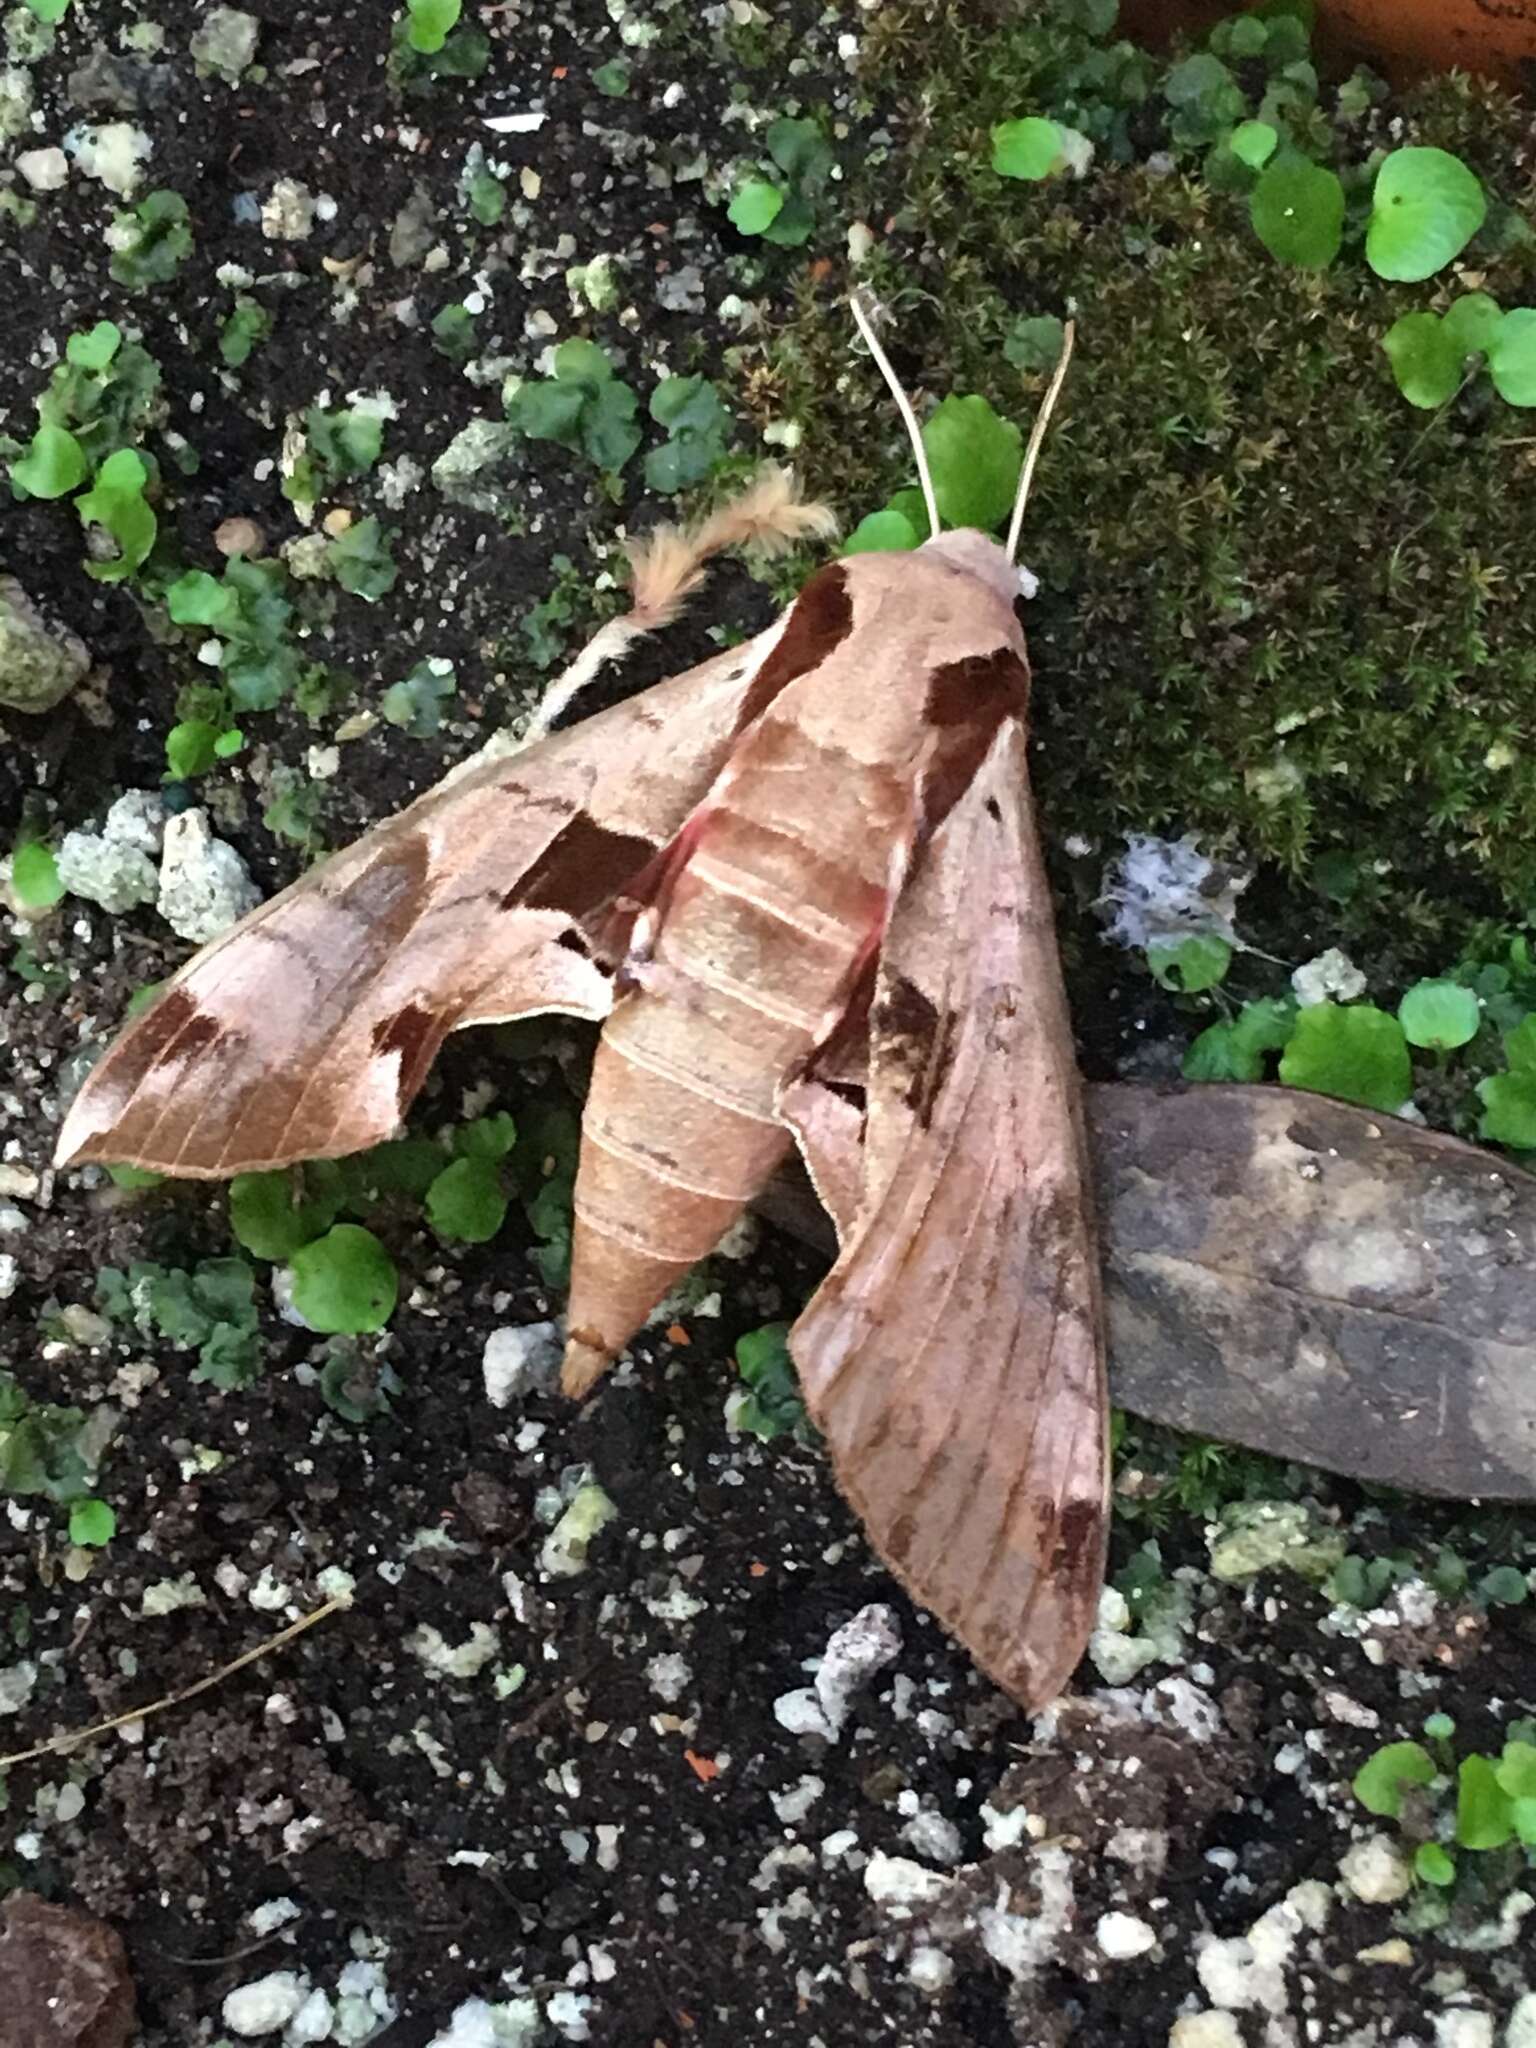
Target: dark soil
(602, 1837)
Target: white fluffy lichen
(1163, 890)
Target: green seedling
(1509, 1099)
(92, 1524)
(771, 1405)
(1434, 355)
(1297, 210)
(196, 745)
(337, 446)
(49, 10)
(780, 205)
(1425, 208)
(249, 612)
(583, 407)
(428, 41)
(35, 877)
(1353, 1051)
(150, 241)
(54, 464)
(698, 429)
(453, 333)
(210, 1309)
(1035, 343)
(1190, 966)
(974, 456)
(417, 703)
(1236, 1049)
(428, 23)
(361, 562)
(467, 1202)
(612, 79)
(44, 1449)
(1034, 149)
(1439, 1015)
(344, 1283)
(116, 506)
(249, 324)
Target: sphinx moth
(801, 889)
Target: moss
(1281, 608)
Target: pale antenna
(1037, 436)
(862, 304)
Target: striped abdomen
(778, 903)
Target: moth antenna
(1037, 437)
(860, 303)
(667, 567)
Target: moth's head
(977, 554)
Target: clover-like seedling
(35, 876)
(1353, 1051)
(248, 324)
(250, 613)
(782, 208)
(698, 429)
(583, 407)
(1425, 208)
(54, 464)
(337, 445)
(1439, 1015)
(92, 1524)
(1297, 210)
(1033, 149)
(1190, 966)
(428, 42)
(116, 505)
(361, 562)
(612, 78)
(1235, 1049)
(1433, 355)
(151, 241)
(344, 1283)
(1394, 1769)
(974, 456)
(416, 703)
(770, 1403)
(453, 333)
(195, 745)
(1509, 1099)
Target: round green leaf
(1380, 1781)
(1509, 1110)
(1189, 965)
(1433, 1864)
(1425, 209)
(1254, 142)
(35, 876)
(345, 1282)
(467, 1201)
(1520, 1045)
(190, 748)
(581, 362)
(1439, 1014)
(430, 22)
(756, 206)
(975, 458)
(1425, 359)
(1297, 210)
(198, 599)
(53, 465)
(1505, 1585)
(96, 346)
(1029, 149)
(881, 532)
(1516, 1769)
(1035, 344)
(1357, 1053)
(91, 1524)
(1473, 323)
(1482, 1806)
(1512, 357)
(271, 1219)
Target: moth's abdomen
(756, 945)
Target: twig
(174, 1699)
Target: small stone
(1205, 2030)
(1122, 1935)
(1459, 2026)
(113, 154)
(861, 1647)
(224, 42)
(1521, 2032)
(930, 1969)
(480, 467)
(443, 1660)
(1331, 974)
(65, 1976)
(519, 1361)
(204, 885)
(288, 212)
(266, 2004)
(39, 663)
(115, 876)
(45, 170)
(901, 1886)
(1376, 1871)
(239, 536)
(410, 236)
(16, 1684)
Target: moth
(800, 886)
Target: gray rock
(480, 468)
(205, 886)
(224, 42)
(110, 872)
(38, 665)
(414, 229)
(124, 85)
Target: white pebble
(266, 2004)
(1121, 1935)
(1376, 1871)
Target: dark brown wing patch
(820, 620)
